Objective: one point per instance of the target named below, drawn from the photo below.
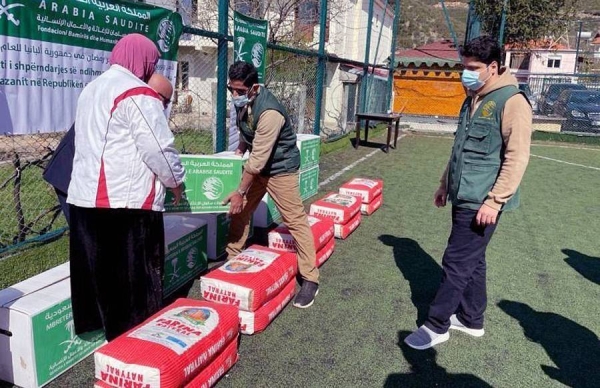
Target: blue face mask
(240, 101)
(470, 79)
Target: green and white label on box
(39, 341)
(310, 150)
(309, 182)
(57, 347)
(185, 251)
(208, 181)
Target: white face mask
(240, 101)
(470, 79)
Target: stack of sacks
(260, 281)
(187, 344)
(369, 190)
(344, 210)
(323, 233)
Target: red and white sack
(339, 207)
(169, 348)
(343, 231)
(325, 253)
(252, 322)
(250, 279)
(102, 384)
(367, 189)
(370, 208)
(281, 239)
(209, 376)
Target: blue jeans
(463, 289)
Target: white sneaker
(457, 325)
(424, 338)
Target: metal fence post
(320, 68)
(363, 82)
(502, 23)
(577, 49)
(393, 54)
(221, 130)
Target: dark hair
(243, 71)
(484, 48)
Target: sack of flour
(339, 207)
(343, 231)
(252, 322)
(370, 208)
(250, 279)
(281, 239)
(325, 253)
(210, 375)
(170, 348)
(367, 189)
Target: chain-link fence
(564, 103)
(29, 206)
(321, 90)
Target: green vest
(285, 157)
(478, 151)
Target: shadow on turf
(587, 266)
(425, 372)
(419, 268)
(573, 348)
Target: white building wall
(347, 39)
(540, 60)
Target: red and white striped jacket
(124, 153)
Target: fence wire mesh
(30, 210)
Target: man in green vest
(266, 131)
(481, 180)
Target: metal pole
(321, 67)
(577, 49)
(473, 23)
(221, 128)
(363, 82)
(393, 54)
(502, 24)
(449, 24)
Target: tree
(527, 20)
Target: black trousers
(116, 261)
(463, 288)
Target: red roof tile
(440, 53)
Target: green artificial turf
(543, 286)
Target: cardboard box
(309, 182)
(37, 335)
(217, 228)
(185, 251)
(208, 180)
(266, 214)
(310, 150)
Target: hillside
(423, 21)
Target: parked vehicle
(581, 108)
(533, 98)
(548, 98)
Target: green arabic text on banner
(51, 49)
(250, 42)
